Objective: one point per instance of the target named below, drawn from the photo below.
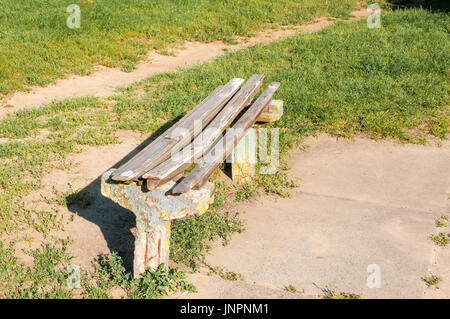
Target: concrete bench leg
(154, 210)
(151, 246)
(243, 158)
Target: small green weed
(246, 191)
(46, 279)
(219, 195)
(153, 284)
(335, 293)
(119, 33)
(228, 275)
(279, 183)
(110, 273)
(81, 198)
(293, 289)
(432, 280)
(440, 223)
(442, 239)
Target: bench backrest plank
(184, 158)
(172, 139)
(212, 159)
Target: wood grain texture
(152, 184)
(200, 174)
(185, 157)
(178, 135)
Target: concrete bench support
(243, 157)
(154, 210)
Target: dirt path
(105, 80)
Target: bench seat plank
(178, 135)
(216, 155)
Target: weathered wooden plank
(178, 135)
(185, 157)
(200, 174)
(152, 184)
(157, 141)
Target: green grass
(81, 198)
(246, 191)
(388, 82)
(28, 158)
(442, 239)
(432, 281)
(111, 273)
(190, 237)
(335, 293)
(442, 221)
(345, 80)
(293, 289)
(36, 46)
(48, 277)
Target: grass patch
(153, 284)
(432, 281)
(442, 221)
(246, 191)
(347, 79)
(442, 239)
(119, 33)
(227, 275)
(231, 275)
(293, 289)
(279, 183)
(111, 273)
(190, 237)
(335, 293)
(46, 279)
(25, 160)
(81, 198)
(220, 195)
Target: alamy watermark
(74, 278)
(74, 20)
(374, 20)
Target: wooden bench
(151, 184)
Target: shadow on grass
(115, 222)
